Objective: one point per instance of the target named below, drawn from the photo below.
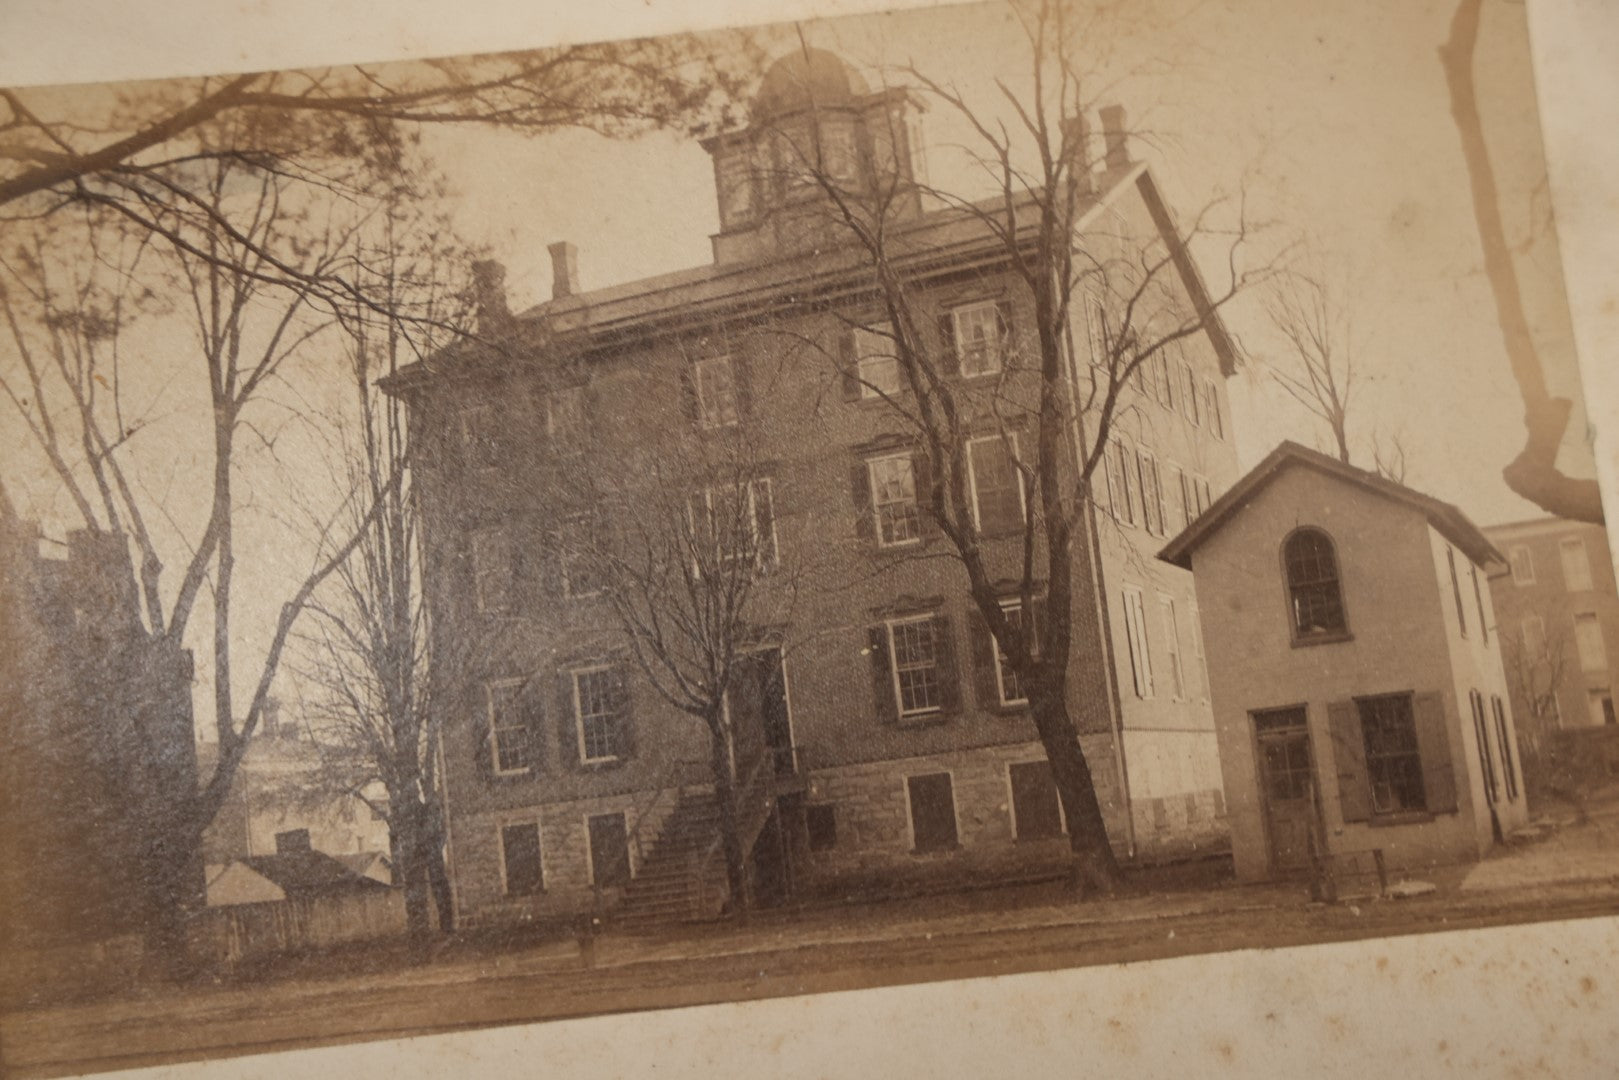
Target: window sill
(1335, 638)
(602, 764)
(1405, 817)
(924, 720)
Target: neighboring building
(95, 721)
(280, 787)
(294, 871)
(902, 746)
(1559, 615)
(1355, 666)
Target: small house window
(1314, 591)
(521, 866)
(1393, 761)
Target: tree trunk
(736, 870)
(410, 869)
(1096, 870)
(438, 877)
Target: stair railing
(644, 813)
(752, 798)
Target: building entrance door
(1287, 787)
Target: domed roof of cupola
(806, 77)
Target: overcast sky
(1334, 124)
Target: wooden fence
(231, 935)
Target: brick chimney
(292, 840)
(1118, 146)
(564, 270)
(489, 291)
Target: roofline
(1441, 515)
(1547, 523)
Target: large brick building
(901, 746)
(1559, 615)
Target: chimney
(1077, 133)
(291, 840)
(489, 291)
(1118, 149)
(564, 270)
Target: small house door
(1287, 787)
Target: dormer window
(1315, 596)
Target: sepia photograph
(787, 509)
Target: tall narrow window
(1135, 628)
(876, 360)
(893, 499)
(492, 572)
(1172, 638)
(1478, 602)
(1576, 564)
(520, 865)
(1504, 739)
(509, 740)
(714, 383)
(597, 715)
(1121, 483)
(997, 483)
(1211, 408)
(1193, 410)
(1481, 735)
(1314, 591)
(979, 336)
(1588, 641)
(914, 647)
(1393, 760)
(1176, 497)
(1007, 683)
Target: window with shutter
(1349, 758)
(996, 484)
(914, 654)
(1193, 412)
(1509, 768)
(1172, 638)
(1152, 493)
(1211, 408)
(1163, 380)
(1478, 603)
(977, 331)
(932, 801)
(1481, 735)
(1121, 482)
(521, 867)
(1456, 590)
(734, 522)
(1037, 812)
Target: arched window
(1313, 592)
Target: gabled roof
(941, 241)
(305, 873)
(1451, 523)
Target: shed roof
(304, 873)
(1451, 523)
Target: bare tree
(1319, 369)
(1534, 473)
(1049, 423)
(1536, 662)
(68, 383)
(1388, 458)
(371, 702)
(682, 541)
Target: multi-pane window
(1211, 408)
(878, 365)
(1135, 628)
(1523, 566)
(1456, 590)
(1576, 564)
(732, 522)
(565, 419)
(1313, 588)
(521, 867)
(1588, 641)
(492, 574)
(597, 711)
(1007, 682)
(997, 484)
(576, 543)
(1172, 638)
(509, 739)
(1393, 762)
(979, 337)
(893, 499)
(913, 649)
(1152, 493)
(714, 383)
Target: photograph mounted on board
(784, 509)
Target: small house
(1354, 664)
